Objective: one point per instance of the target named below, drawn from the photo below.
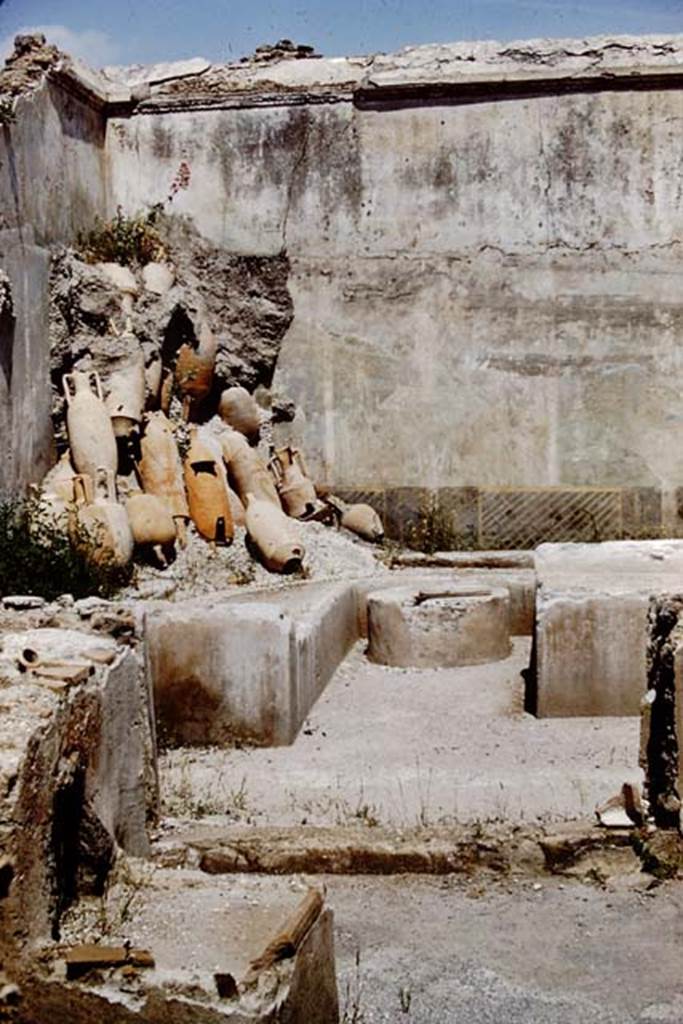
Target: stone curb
(571, 849)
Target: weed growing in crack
(8, 114)
(422, 816)
(237, 804)
(434, 530)
(405, 998)
(188, 795)
(352, 1010)
(367, 815)
(123, 897)
(337, 807)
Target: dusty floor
(413, 747)
(550, 952)
(527, 950)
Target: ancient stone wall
(484, 247)
(52, 185)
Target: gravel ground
(551, 952)
(433, 951)
(203, 568)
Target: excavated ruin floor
(159, 910)
(527, 949)
(405, 747)
(520, 952)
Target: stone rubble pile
(153, 442)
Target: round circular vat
(437, 626)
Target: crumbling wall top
(297, 70)
(559, 63)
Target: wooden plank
(285, 944)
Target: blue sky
(130, 31)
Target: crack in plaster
(300, 160)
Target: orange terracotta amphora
(207, 491)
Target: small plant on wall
(124, 240)
(134, 240)
(434, 530)
(7, 111)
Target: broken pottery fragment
(123, 279)
(274, 536)
(364, 521)
(66, 675)
(91, 436)
(23, 602)
(102, 519)
(126, 395)
(239, 410)
(294, 486)
(81, 959)
(207, 490)
(633, 804)
(624, 810)
(153, 373)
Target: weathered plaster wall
(486, 290)
(52, 185)
(52, 165)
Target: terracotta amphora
(239, 512)
(274, 536)
(60, 479)
(207, 492)
(102, 519)
(153, 373)
(239, 410)
(248, 473)
(194, 370)
(150, 521)
(296, 489)
(91, 436)
(364, 521)
(161, 470)
(126, 396)
(212, 440)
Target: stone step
(342, 850)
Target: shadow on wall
(12, 173)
